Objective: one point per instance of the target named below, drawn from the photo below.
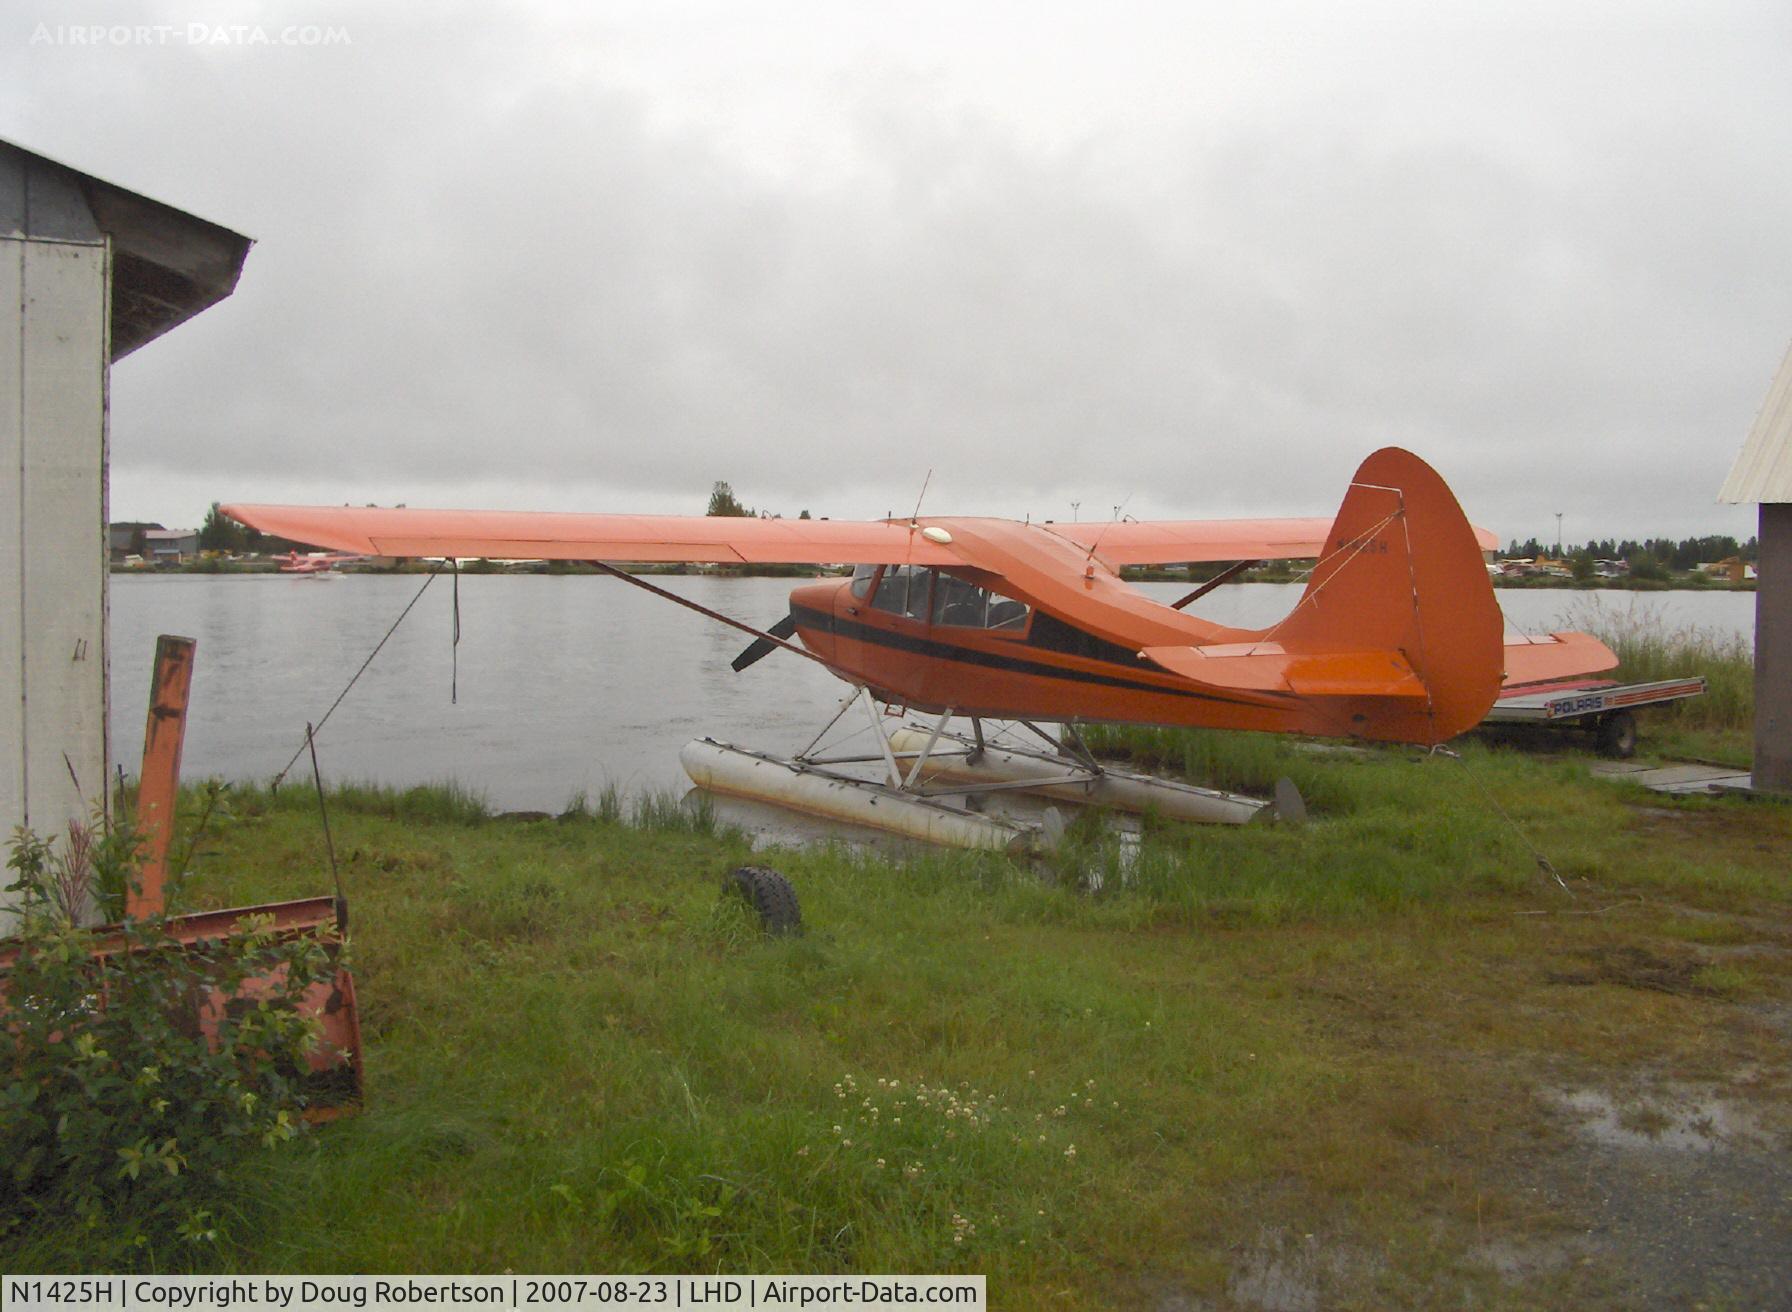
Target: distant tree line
(1650, 558)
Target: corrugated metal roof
(167, 265)
(1763, 468)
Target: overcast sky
(1196, 260)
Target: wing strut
(701, 609)
(1226, 575)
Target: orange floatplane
(1397, 636)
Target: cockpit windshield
(903, 591)
(930, 594)
(965, 605)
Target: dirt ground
(1608, 1116)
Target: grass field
(1346, 1064)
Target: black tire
(1616, 735)
(770, 896)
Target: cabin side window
(962, 604)
(903, 591)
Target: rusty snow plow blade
(333, 1080)
(332, 1083)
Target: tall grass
(1227, 759)
(609, 808)
(1647, 650)
(447, 802)
(453, 803)
(665, 810)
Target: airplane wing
(547, 535)
(1165, 542)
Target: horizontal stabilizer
(1534, 659)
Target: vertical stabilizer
(1403, 572)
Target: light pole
(1073, 509)
(1558, 535)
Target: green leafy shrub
(137, 1071)
(96, 864)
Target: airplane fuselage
(1035, 666)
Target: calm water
(566, 683)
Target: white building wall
(54, 349)
(12, 539)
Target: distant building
(170, 546)
(126, 539)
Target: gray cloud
(602, 261)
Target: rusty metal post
(160, 782)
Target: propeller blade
(761, 647)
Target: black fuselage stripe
(814, 619)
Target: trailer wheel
(770, 896)
(1616, 735)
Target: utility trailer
(1603, 707)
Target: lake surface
(566, 683)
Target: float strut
(927, 751)
(845, 705)
(883, 739)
